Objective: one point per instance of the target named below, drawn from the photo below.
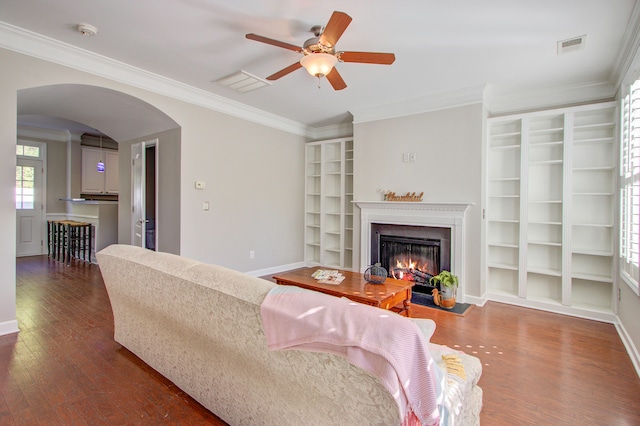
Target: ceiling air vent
(572, 44)
(243, 82)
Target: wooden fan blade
(338, 22)
(336, 80)
(273, 42)
(291, 68)
(368, 57)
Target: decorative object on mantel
(446, 297)
(409, 196)
(375, 274)
(384, 193)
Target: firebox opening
(410, 259)
(412, 253)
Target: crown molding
(332, 132)
(36, 45)
(437, 101)
(49, 135)
(628, 60)
(549, 98)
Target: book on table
(325, 276)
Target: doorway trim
(152, 143)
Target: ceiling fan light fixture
(318, 64)
(320, 55)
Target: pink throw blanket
(378, 341)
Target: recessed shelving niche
(328, 203)
(551, 208)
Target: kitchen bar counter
(103, 215)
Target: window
(28, 151)
(630, 187)
(25, 179)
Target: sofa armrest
(426, 326)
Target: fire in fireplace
(412, 253)
(410, 259)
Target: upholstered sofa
(200, 326)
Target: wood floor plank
(63, 367)
(544, 368)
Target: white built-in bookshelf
(328, 203)
(551, 208)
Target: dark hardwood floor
(64, 367)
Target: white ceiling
(440, 46)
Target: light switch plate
(200, 185)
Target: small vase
(448, 297)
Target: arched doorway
(125, 119)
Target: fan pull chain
(318, 82)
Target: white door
(29, 188)
(138, 222)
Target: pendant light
(100, 166)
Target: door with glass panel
(29, 186)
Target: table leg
(407, 304)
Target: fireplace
(411, 253)
(447, 217)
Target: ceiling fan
(320, 56)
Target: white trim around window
(630, 188)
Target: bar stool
(56, 239)
(80, 236)
(69, 239)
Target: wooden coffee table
(393, 294)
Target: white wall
(8, 136)
(254, 180)
(448, 167)
(254, 177)
(629, 314)
(56, 176)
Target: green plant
(444, 278)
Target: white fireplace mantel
(443, 215)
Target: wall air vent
(243, 82)
(572, 44)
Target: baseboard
(9, 327)
(629, 346)
(275, 269)
(608, 317)
(478, 301)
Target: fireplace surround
(450, 216)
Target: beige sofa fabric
(199, 325)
